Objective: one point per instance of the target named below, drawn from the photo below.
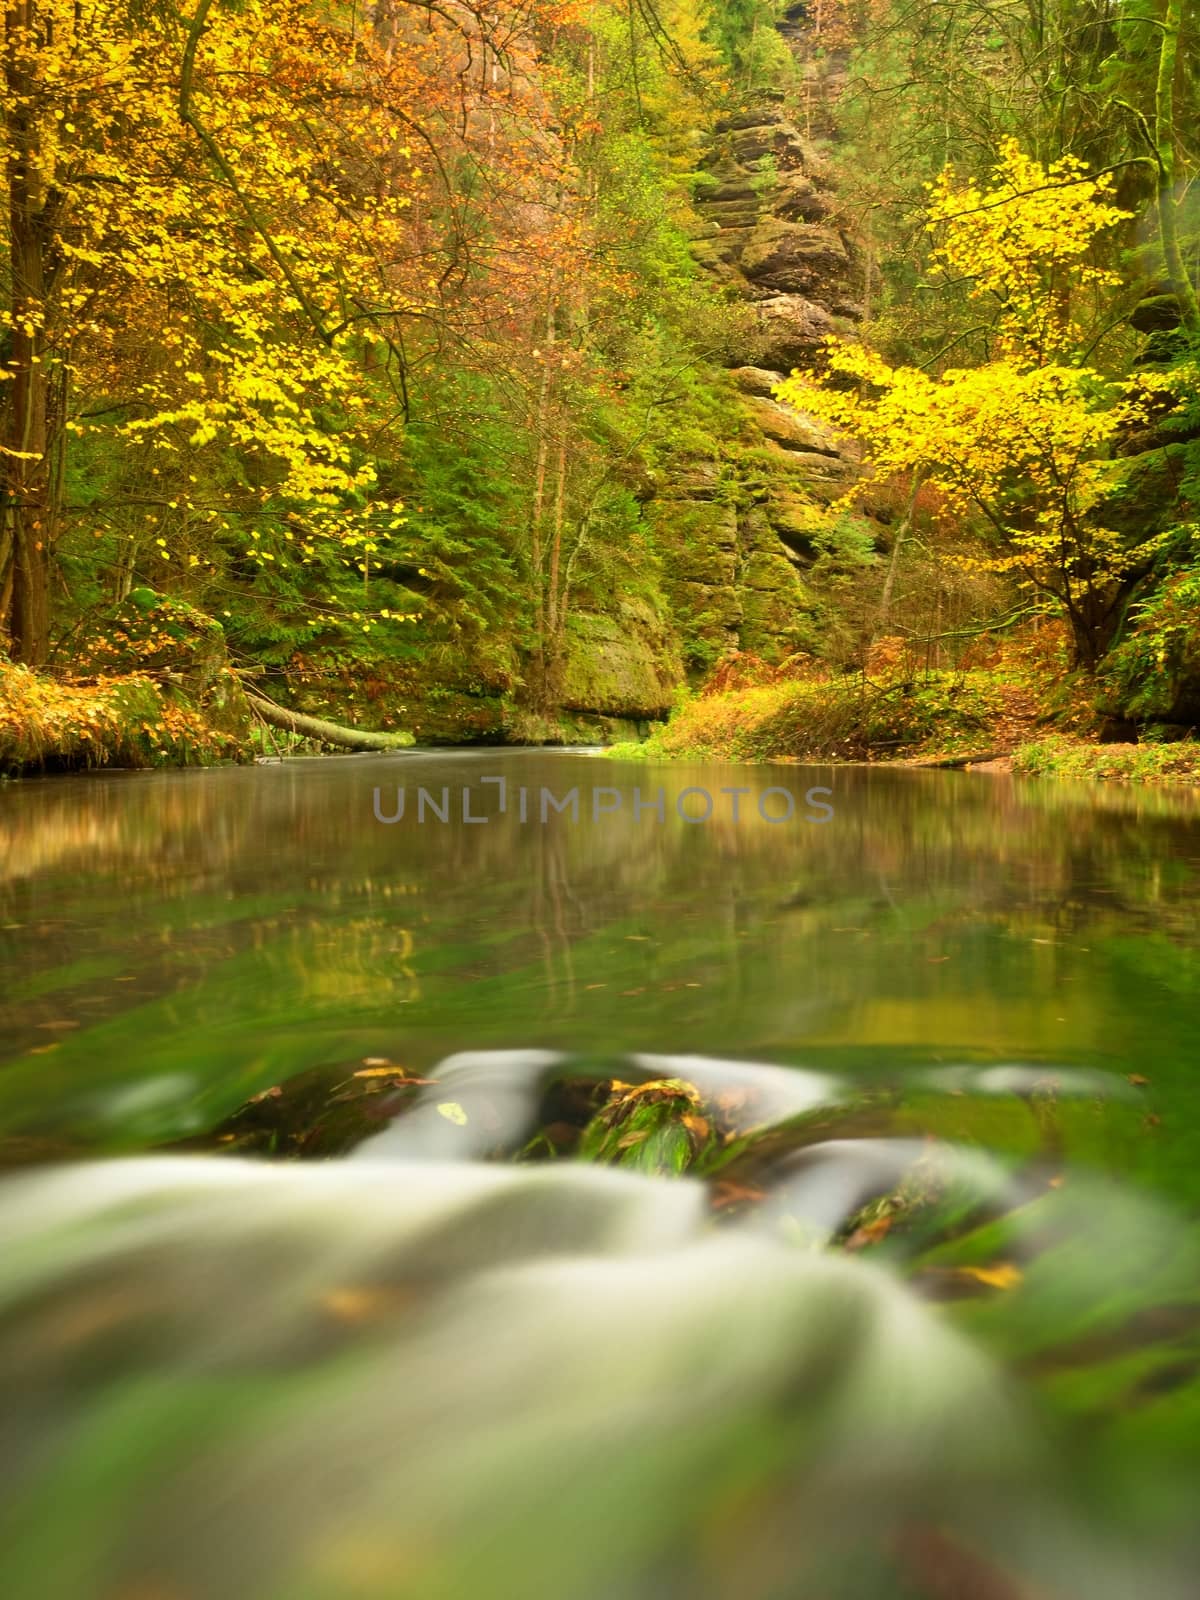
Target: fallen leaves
(870, 1233)
(1004, 1275)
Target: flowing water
(418, 1369)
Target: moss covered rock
(776, 607)
(627, 665)
(128, 721)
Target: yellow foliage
(231, 227)
(1024, 442)
(1023, 239)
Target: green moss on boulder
(627, 665)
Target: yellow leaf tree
(1022, 444)
(222, 225)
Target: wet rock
(794, 516)
(742, 189)
(698, 540)
(698, 480)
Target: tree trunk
(555, 600)
(1164, 142)
(327, 732)
(889, 582)
(536, 554)
(27, 521)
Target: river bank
(1019, 710)
(982, 720)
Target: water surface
(172, 944)
(414, 1372)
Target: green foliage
(1141, 763)
(745, 33)
(655, 1127)
(1165, 625)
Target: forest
(600, 800)
(516, 373)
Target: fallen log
(318, 728)
(948, 762)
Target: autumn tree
(935, 81)
(227, 232)
(1021, 442)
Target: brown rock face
(735, 550)
(756, 380)
(803, 258)
(790, 331)
(791, 430)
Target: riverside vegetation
(515, 373)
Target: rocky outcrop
(737, 538)
(793, 430)
(729, 568)
(625, 666)
(769, 228)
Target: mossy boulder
(126, 721)
(1157, 313)
(624, 665)
(1143, 499)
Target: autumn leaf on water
(453, 1112)
(1004, 1275)
(871, 1232)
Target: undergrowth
(895, 708)
(128, 721)
(1058, 757)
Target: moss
(776, 606)
(623, 666)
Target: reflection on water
(174, 944)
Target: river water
(420, 1371)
